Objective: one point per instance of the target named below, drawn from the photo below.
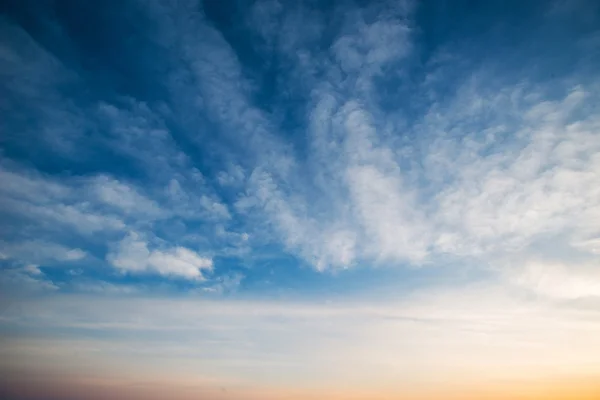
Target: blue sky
(301, 153)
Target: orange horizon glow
(94, 389)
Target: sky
(299, 199)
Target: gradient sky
(299, 199)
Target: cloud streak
(345, 136)
(324, 161)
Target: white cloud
(483, 172)
(224, 284)
(79, 217)
(215, 208)
(140, 132)
(32, 269)
(485, 169)
(556, 278)
(29, 186)
(51, 203)
(346, 150)
(488, 175)
(370, 46)
(124, 197)
(234, 176)
(105, 288)
(25, 280)
(132, 255)
(507, 200)
(96, 205)
(186, 200)
(39, 252)
(590, 245)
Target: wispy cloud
(483, 173)
(25, 280)
(338, 134)
(49, 203)
(39, 252)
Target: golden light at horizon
(477, 343)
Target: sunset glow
(270, 199)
